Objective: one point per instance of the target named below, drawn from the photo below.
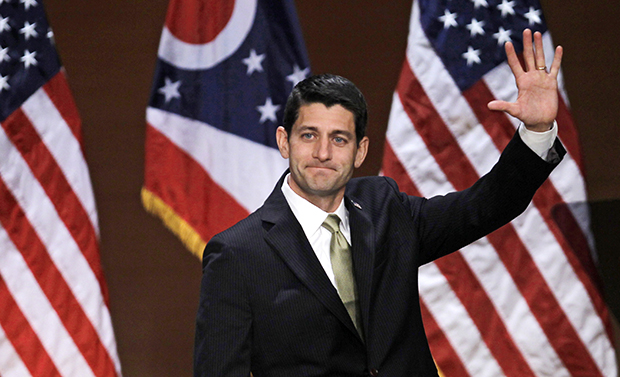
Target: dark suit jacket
(267, 305)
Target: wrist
(543, 127)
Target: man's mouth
(321, 167)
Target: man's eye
(306, 136)
(339, 140)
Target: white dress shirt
(311, 217)
(539, 142)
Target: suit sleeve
(448, 223)
(224, 321)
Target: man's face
(322, 152)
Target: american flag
(523, 301)
(54, 319)
(223, 75)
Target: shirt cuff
(539, 142)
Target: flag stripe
(440, 346)
(512, 308)
(66, 151)
(23, 338)
(437, 139)
(25, 137)
(57, 89)
(207, 145)
(482, 311)
(42, 318)
(452, 317)
(11, 363)
(164, 179)
(56, 289)
(568, 134)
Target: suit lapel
(288, 239)
(362, 236)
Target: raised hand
(537, 103)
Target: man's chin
(322, 187)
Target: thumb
(498, 105)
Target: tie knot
(332, 223)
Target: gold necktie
(340, 255)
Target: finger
(498, 105)
(557, 60)
(528, 50)
(539, 52)
(513, 60)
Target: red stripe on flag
(57, 89)
(448, 154)
(204, 205)
(53, 285)
(392, 167)
(467, 288)
(45, 168)
(445, 357)
(547, 198)
(568, 134)
(565, 220)
(480, 308)
(25, 341)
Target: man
(322, 279)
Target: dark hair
(329, 90)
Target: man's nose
(322, 150)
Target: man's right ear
(282, 140)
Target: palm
(537, 103)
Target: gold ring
(544, 68)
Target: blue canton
(28, 58)
(469, 35)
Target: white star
(170, 89)
(298, 74)
(4, 83)
(254, 62)
(472, 56)
(448, 19)
(507, 7)
(268, 111)
(533, 16)
(28, 3)
(479, 3)
(28, 58)
(50, 34)
(502, 36)
(4, 54)
(475, 27)
(4, 24)
(28, 30)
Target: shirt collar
(311, 217)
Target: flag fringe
(185, 232)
